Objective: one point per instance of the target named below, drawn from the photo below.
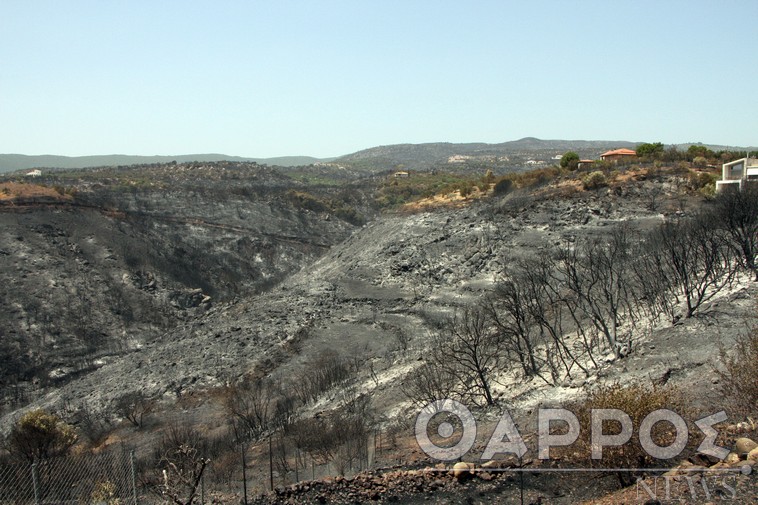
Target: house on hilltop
(618, 154)
(34, 173)
(737, 173)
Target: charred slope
(87, 279)
(374, 298)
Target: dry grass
(452, 199)
(12, 191)
(637, 401)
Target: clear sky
(326, 78)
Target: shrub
(698, 181)
(304, 200)
(178, 464)
(39, 435)
(594, 180)
(637, 401)
(534, 178)
(465, 189)
(503, 186)
(135, 407)
(105, 492)
(739, 376)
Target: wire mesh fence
(105, 478)
(117, 477)
(16, 484)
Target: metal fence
(115, 477)
(106, 478)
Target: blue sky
(325, 78)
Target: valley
(246, 303)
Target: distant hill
(11, 162)
(440, 152)
(508, 154)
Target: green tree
(650, 150)
(39, 435)
(570, 160)
(695, 151)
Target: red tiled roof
(620, 152)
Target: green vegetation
(570, 160)
(702, 182)
(594, 180)
(696, 151)
(650, 150)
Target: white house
(736, 173)
(34, 173)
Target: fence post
(297, 463)
(244, 475)
(270, 464)
(35, 483)
(134, 476)
(202, 489)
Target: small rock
(732, 458)
(438, 483)
(753, 455)
(485, 476)
(491, 464)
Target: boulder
(743, 446)
(461, 470)
(753, 455)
